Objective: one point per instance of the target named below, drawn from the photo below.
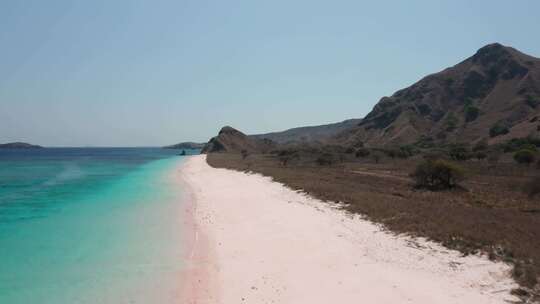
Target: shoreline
(196, 280)
(261, 242)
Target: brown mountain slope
(318, 133)
(495, 94)
(232, 140)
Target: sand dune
(256, 241)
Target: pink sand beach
(256, 241)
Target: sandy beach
(255, 241)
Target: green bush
(326, 159)
(287, 155)
(515, 144)
(437, 175)
(531, 102)
(524, 156)
(459, 152)
(480, 155)
(399, 153)
(498, 129)
(406, 151)
(471, 113)
(425, 142)
(362, 152)
(480, 146)
(451, 122)
(529, 147)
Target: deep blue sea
(89, 225)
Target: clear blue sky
(128, 73)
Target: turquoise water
(90, 226)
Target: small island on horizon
(19, 145)
(186, 145)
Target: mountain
(232, 140)
(19, 145)
(310, 133)
(492, 95)
(186, 145)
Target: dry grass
(490, 213)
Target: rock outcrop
(231, 140)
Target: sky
(151, 73)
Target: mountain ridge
(309, 133)
(492, 95)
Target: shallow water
(89, 226)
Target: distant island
(186, 145)
(19, 145)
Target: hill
(492, 95)
(186, 145)
(309, 133)
(232, 140)
(19, 145)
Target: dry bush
(326, 159)
(362, 152)
(524, 156)
(244, 153)
(437, 175)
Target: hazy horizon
(137, 73)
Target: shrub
(406, 151)
(287, 155)
(524, 156)
(349, 150)
(480, 146)
(516, 144)
(358, 144)
(392, 153)
(459, 152)
(437, 175)
(480, 155)
(244, 153)
(498, 129)
(451, 122)
(471, 113)
(376, 157)
(326, 159)
(362, 152)
(529, 147)
(425, 142)
(531, 102)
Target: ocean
(90, 225)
